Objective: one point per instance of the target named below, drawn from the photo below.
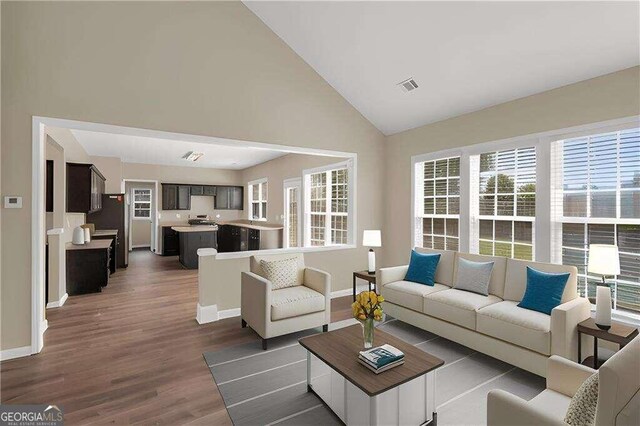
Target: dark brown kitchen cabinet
(85, 186)
(176, 197)
(197, 190)
(209, 190)
(170, 242)
(229, 198)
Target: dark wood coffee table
(401, 395)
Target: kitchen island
(243, 235)
(192, 238)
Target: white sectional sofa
(492, 324)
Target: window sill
(244, 254)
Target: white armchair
(272, 313)
(618, 393)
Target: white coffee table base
(411, 403)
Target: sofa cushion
(551, 402)
(496, 284)
(457, 306)
(515, 282)
(522, 327)
(408, 294)
(422, 268)
(473, 276)
(544, 290)
(444, 271)
(295, 301)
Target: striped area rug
(269, 387)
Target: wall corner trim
(58, 303)
(15, 353)
(207, 252)
(206, 314)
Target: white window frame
(350, 165)
(544, 227)
(262, 199)
(420, 215)
(134, 201)
(288, 184)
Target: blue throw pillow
(422, 268)
(544, 290)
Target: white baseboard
(341, 293)
(206, 314)
(44, 326)
(15, 353)
(229, 313)
(140, 246)
(58, 303)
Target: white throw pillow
(582, 408)
(473, 276)
(282, 273)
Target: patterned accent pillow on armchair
(282, 273)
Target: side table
(363, 275)
(618, 333)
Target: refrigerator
(112, 216)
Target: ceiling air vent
(408, 85)
(192, 156)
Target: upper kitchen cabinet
(85, 186)
(209, 190)
(176, 197)
(229, 198)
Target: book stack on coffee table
(381, 358)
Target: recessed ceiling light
(192, 156)
(408, 85)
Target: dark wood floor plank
(133, 353)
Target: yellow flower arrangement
(367, 305)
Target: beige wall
(56, 153)
(207, 68)
(276, 171)
(599, 99)
(111, 169)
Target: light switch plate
(12, 202)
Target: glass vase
(367, 332)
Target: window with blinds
(596, 200)
(141, 203)
(506, 203)
(437, 223)
(328, 207)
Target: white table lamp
(605, 261)
(372, 238)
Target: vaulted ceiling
(464, 56)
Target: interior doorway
(141, 214)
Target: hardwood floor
(133, 353)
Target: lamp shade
(371, 238)
(604, 259)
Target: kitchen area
(209, 230)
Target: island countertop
(92, 245)
(195, 228)
(261, 226)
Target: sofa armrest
(320, 281)
(392, 274)
(505, 409)
(255, 301)
(564, 327)
(566, 376)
